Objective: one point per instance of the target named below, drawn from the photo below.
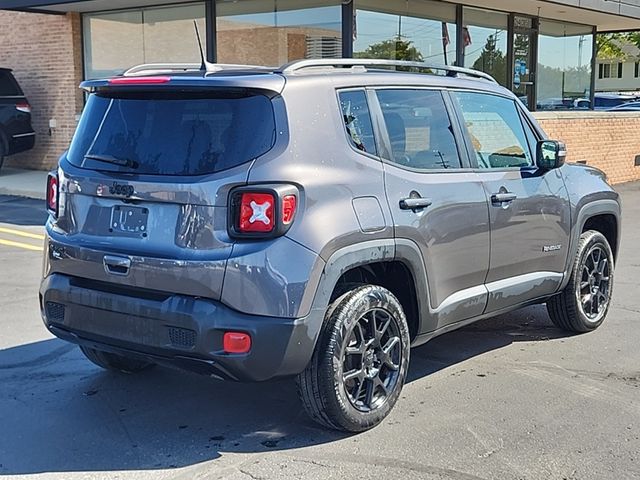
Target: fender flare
(591, 209)
(365, 253)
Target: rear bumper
(175, 330)
(21, 142)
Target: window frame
(343, 126)
(471, 152)
(380, 129)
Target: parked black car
(16, 133)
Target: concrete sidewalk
(23, 183)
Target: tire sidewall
(351, 307)
(595, 239)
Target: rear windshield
(8, 85)
(161, 134)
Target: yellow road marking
(26, 246)
(20, 233)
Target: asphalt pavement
(507, 398)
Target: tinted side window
(419, 129)
(357, 120)
(495, 129)
(8, 85)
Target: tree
(492, 61)
(609, 46)
(395, 48)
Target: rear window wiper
(123, 162)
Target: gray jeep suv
(315, 220)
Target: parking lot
(508, 398)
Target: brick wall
(606, 140)
(45, 53)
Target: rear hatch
(144, 186)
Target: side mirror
(551, 154)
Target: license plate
(129, 221)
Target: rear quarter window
(8, 85)
(357, 120)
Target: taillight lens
(23, 107)
(52, 193)
(263, 211)
(256, 212)
(288, 208)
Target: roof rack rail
(160, 68)
(148, 68)
(375, 62)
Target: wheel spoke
(384, 328)
(357, 373)
(587, 300)
(378, 383)
(584, 285)
(602, 265)
(358, 393)
(370, 390)
(603, 298)
(386, 357)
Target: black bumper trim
(140, 327)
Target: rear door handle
(503, 197)
(116, 265)
(415, 203)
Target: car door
(437, 202)
(528, 206)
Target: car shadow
(530, 324)
(59, 413)
(22, 211)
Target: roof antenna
(203, 65)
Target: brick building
(542, 50)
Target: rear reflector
(256, 212)
(23, 107)
(52, 193)
(138, 80)
(236, 342)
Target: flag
(445, 35)
(466, 37)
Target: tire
(114, 362)
(375, 363)
(583, 304)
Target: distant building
(619, 75)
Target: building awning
(51, 6)
(606, 15)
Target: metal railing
(356, 64)
(160, 68)
(363, 63)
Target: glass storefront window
(418, 30)
(485, 42)
(116, 41)
(564, 66)
(274, 32)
